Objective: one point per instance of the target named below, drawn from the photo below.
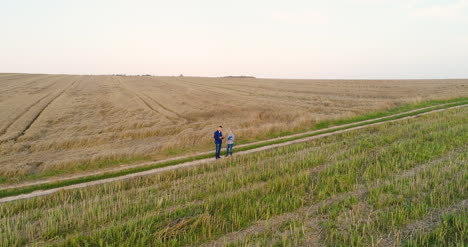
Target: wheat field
(53, 122)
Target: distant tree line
(132, 75)
(181, 75)
(238, 76)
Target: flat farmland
(55, 124)
(400, 183)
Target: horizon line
(236, 76)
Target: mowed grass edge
(434, 105)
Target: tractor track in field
(36, 115)
(27, 83)
(138, 96)
(22, 113)
(206, 160)
(43, 109)
(164, 107)
(170, 114)
(244, 94)
(4, 130)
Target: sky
(334, 39)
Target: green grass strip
(436, 105)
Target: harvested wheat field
(56, 124)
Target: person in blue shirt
(218, 138)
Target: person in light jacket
(230, 143)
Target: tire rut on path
(203, 161)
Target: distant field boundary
(322, 128)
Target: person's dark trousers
(229, 149)
(218, 150)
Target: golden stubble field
(50, 122)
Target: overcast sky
(264, 38)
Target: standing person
(218, 137)
(230, 143)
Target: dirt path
(203, 161)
